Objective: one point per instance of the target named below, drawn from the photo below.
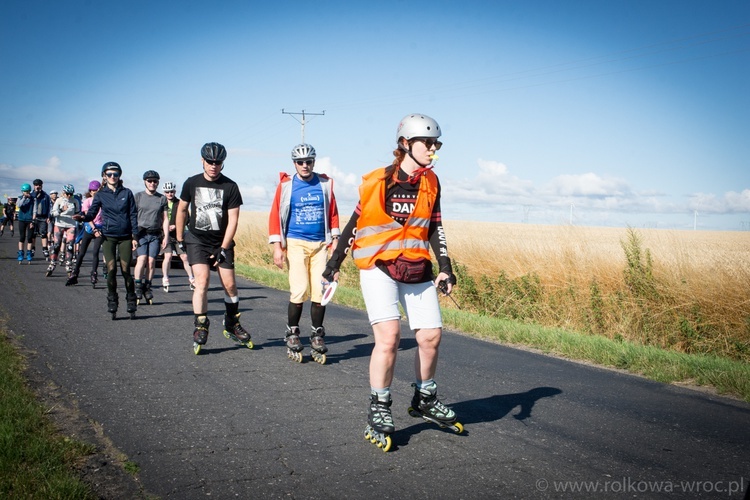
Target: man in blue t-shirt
(303, 224)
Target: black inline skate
(148, 295)
(138, 291)
(94, 279)
(426, 405)
(112, 300)
(200, 334)
(72, 280)
(380, 423)
(318, 347)
(233, 330)
(132, 302)
(293, 344)
(50, 269)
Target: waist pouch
(409, 270)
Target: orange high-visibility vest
(378, 236)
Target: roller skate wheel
(385, 444)
(150, 302)
(196, 348)
(249, 344)
(114, 316)
(458, 427)
(294, 356)
(318, 357)
(132, 315)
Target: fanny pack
(406, 270)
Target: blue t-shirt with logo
(307, 217)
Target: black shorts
(201, 253)
(40, 227)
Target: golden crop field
(683, 290)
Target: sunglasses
(152, 181)
(429, 142)
(304, 162)
(214, 163)
(112, 174)
(169, 192)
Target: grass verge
(35, 460)
(726, 376)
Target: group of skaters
(66, 240)
(395, 224)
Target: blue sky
(617, 113)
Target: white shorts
(382, 295)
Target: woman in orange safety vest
(395, 224)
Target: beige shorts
(306, 261)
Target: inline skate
(132, 302)
(426, 405)
(50, 269)
(138, 291)
(318, 347)
(94, 279)
(72, 280)
(200, 334)
(29, 256)
(165, 284)
(20, 256)
(112, 300)
(293, 344)
(233, 330)
(46, 254)
(148, 295)
(380, 423)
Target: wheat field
(687, 291)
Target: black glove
(443, 284)
(220, 256)
(328, 273)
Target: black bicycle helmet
(38, 182)
(151, 174)
(214, 152)
(111, 165)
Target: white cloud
(731, 202)
(493, 184)
(589, 185)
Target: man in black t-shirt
(214, 202)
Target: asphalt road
(234, 422)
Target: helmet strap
(408, 151)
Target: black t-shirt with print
(210, 202)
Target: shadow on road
(482, 410)
(496, 407)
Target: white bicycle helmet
(416, 125)
(169, 186)
(302, 152)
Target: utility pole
(303, 121)
(695, 220)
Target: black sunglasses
(112, 174)
(304, 162)
(152, 181)
(429, 142)
(214, 163)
